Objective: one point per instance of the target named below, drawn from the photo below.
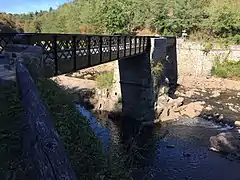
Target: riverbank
(220, 97)
(83, 148)
(211, 98)
(172, 151)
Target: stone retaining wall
(192, 60)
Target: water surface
(180, 153)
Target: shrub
(207, 47)
(105, 80)
(235, 39)
(226, 69)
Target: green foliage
(35, 26)
(113, 16)
(10, 127)
(206, 19)
(156, 71)
(156, 67)
(207, 47)
(105, 80)
(235, 39)
(83, 148)
(226, 69)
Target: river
(179, 151)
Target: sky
(25, 6)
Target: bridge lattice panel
(68, 52)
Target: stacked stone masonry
(192, 60)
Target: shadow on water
(169, 152)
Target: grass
(83, 148)
(10, 128)
(207, 47)
(226, 69)
(105, 80)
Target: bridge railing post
(130, 46)
(118, 49)
(124, 45)
(74, 53)
(135, 45)
(110, 48)
(100, 49)
(148, 46)
(55, 55)
(89, 50)
(140, 44)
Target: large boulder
(166, 108)
(192, 109)
(226, 142)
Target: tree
(214, 18)
(113, 16)
(35, 26)
(27, 26)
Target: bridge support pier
(136, 87)
(136, 79)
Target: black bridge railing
(64, 53)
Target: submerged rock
(216, 93)
(226, 142)
(209, 108)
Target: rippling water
(182, 154)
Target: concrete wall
(192, 60)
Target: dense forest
(202, 19)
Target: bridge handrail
(41, 143)
(56, 47)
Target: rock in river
(226, 142)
